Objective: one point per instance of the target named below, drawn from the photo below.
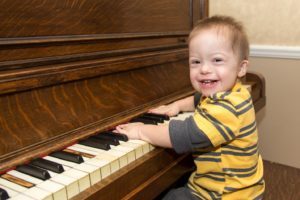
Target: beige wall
(279, 122)
(272, 22)
(277, 23)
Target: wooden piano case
(70, 69)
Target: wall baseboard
(269, 51)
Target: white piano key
(152, 147)
(138, 148)
(128, 150)
(102, 155)
(58, 191)
(91, 149)
(71, 184)
(103, 165)
(66, 164)
(112, 159)
(21, 197)
(78, 147)
(145, 145)
(39, 194)
(25, 177)
(122, 156)
(52, 174)
(82, 178)
(92, 170)
(10, 192)
(13, 186)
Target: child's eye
(218, 59)
(195, 61)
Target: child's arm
(182, 105)
(157, 134)
(154, 134)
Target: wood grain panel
(35, 117)
(72, 17)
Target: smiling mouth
(208, 81)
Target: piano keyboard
(62, 175)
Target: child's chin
(208, 93)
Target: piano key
(143, 120)
(33, 171)
(92, 170)
(138, 148)
(34, 191)
(154, 115)
(71, 184)
(103, 165)
(112, 159)
(118, 136)
(21, 197)
(17, 180)
(66, 164)
(67, 156)
(37, 193)
(128, 150)
(12, 185)
(80, 176)
(156, 119)
(47, 164)
(94, 144)
(82, 149)
(57, 190)
(101, 154)
(122, 153)
(95, 174)
(3, 194)
(25, 177)
(105, 139)
(11, 193)
(84, 155)
(145, 145)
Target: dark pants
(182, 193)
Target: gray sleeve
(186, 136)
(197, 97)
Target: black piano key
(3, 194)
(48, 165)
(161, 116)
(101, 141)
(107, 139)
(143, 120)
(34, 171)
(119, 136)
(156, 119)
(67, 156)
(94, 144)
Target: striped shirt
(222, 135)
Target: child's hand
(132, 130)
(170, 110)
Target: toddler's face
(214, 67)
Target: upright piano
(73, 69)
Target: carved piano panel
(70, 69)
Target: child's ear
(243, 68)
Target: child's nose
(206, 68)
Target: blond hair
(225, 24)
